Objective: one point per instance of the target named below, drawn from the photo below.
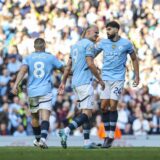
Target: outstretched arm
(21, 73)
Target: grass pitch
(55, 153)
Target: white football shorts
(85, 96)
(40, 102)
(113, 90)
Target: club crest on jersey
(90, 48)
(113, 46)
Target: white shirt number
(39, 70)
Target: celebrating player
(39, 66)
(82, 66)
(115, 50)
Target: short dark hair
(113, 24)
(39, 44)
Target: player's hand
(61, 89)
(136, 82)
(102, 84)
(15, 90)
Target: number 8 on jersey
(39, 69)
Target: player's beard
(95, 38)
(111, 36)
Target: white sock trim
(111, 134)
(67, 130)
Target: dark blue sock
(37, 132)
(44, 129)
(86, 130)
(113, 120)
(106, 120)
(78, 121)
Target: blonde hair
(85, 30)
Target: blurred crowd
(60, 23)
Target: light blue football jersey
(40, 68)
(114, 58)
(81, 73)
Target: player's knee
(88, 113)
(113, 108)
(45, 114)
(35, 122)
(104, 108)
(35, 119)
(45, 118)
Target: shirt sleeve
(25, 61)
(56, 63)
(90, 49)
(130, 48)
(98, 48)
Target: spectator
(4, 79)
(20, 132)
(13, 65)
(140, 125)
(123, 119)
(155, 123)
(3, 130)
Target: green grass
(118, 153)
